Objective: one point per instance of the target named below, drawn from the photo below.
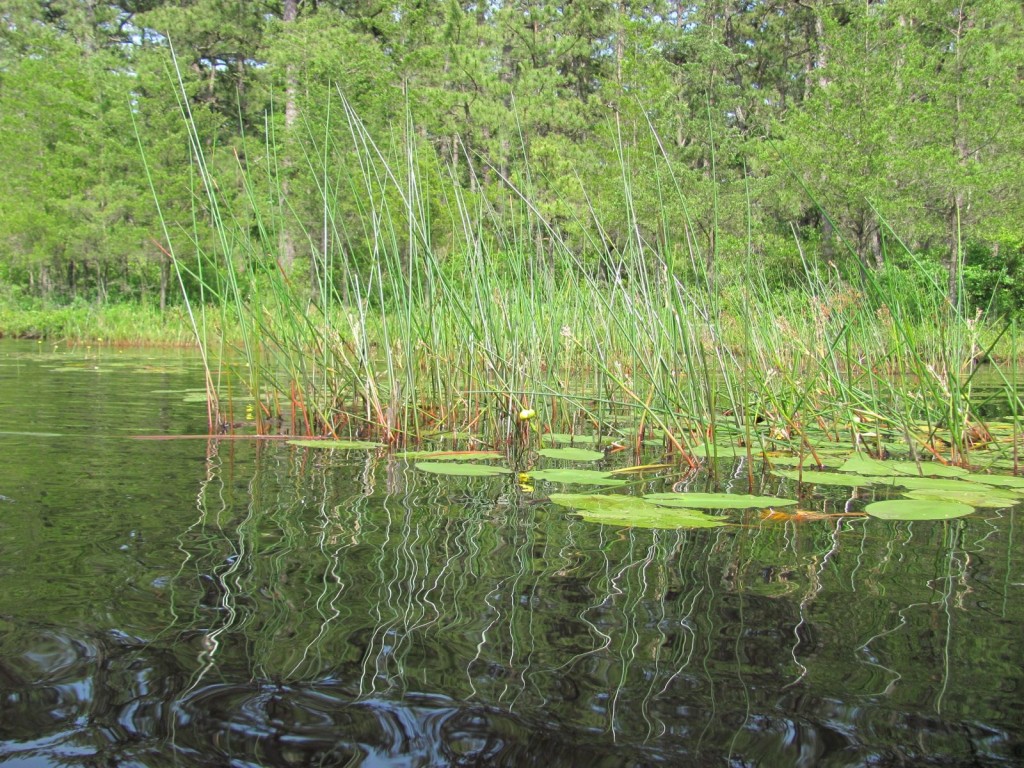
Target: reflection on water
(215, 603)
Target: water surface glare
(243, 603)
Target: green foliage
(994, 276)
(571, 133)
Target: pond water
(254, 603)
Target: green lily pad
(630, 511)
(932, 483)
(351, 445)
(991, 498)
(461, 470)
(918, 509)
(826, 478)
(862, 465)
(451, 455)
(717, 500)
(556, 437)
(926, 469)
(571, 454)
(994, 461)
(808, 461)
(200, 397)
(1006, 481)
(577, 476)
(705, 451)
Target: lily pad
(577, 476)
(556, 437)
(1006, 481)
(933, 483)
(630, 511)
(451, 455)
(200, 397)
(991, 498)
(571, 454)
(862, 465)
(808, 461)
(918, 509)
(717, 500)
(351, 445)
(826, 478)
(640, 468)
(926, 469)
(461, 470)
(705, 451)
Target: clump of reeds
(406, 344)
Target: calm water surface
(243, 603)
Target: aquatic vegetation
(571, 454)
(258, 584)
(633, 512)
(497, 334)
(993, 499)
(450, 455)
(460, 469)
(348, 445)
(812, 477)
(717, 500)
(575, 476)
(918, 509)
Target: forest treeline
(762, 135)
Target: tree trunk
(955, 250)
(165, 277)
(875, 242)
(828, 240)
(962, 156)
(286, 240)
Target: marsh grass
(116, 324)
(403, 335)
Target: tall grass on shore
(501, 333)
(117, 324)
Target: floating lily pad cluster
(633, 511)
(571, 454)
(346, 445)
(935, 491)
(662, 510)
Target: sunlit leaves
(571, 454)
(631, 511)
(717, 500)
(918, 509)
(461, 470)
